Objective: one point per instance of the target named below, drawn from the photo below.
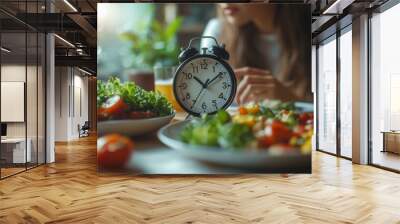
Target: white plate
(262, 159)
(133, 127)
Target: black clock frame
(224, 63)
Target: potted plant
(156, 46)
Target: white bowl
(274, 158)
(133, 127)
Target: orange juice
(165, 87)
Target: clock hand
(213, 79)
(199, 81)
(197, 97)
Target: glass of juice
(142, 78)
(163, 83)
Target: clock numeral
(221, 96)
(220, 75)
(203, 65)
(213, 68)
(195, 68)
(183, 85)
(188, 75)
(214, 103)
(225, 85)
(204, 106)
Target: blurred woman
(270, 52)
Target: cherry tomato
(113, 151)
(243, 111)
(114, 106)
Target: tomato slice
(281, 132)
(114, 106)
(277, 133)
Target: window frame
(333, 37)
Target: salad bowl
(273, 158)
(133, 127)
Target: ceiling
(76, 21)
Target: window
(385, 88)
(346, 93)
(327, 96)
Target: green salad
(217, 130)
(117, 100)
(253, 126)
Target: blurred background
(117, 54)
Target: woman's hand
(257, 84)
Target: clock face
(204, 84)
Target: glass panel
(385, 89)
(23, 91)
(13, 86)
(346, 94)
(327, 96)
(31, 98)
(41, 99)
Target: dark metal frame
(44, 80)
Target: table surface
(391, 132)
(13, 140)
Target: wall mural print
(204, 88)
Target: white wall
(16, 73)
(61, 103)
(33, 126)
(71, 93)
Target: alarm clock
(204, 82)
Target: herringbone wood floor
(71, 191)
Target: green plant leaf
(154, 45)
(129, 36)
(172, 28)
